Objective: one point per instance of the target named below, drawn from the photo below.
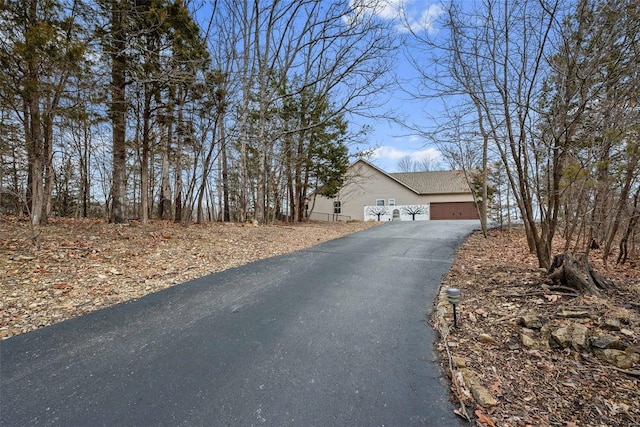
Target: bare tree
(498, 66)
(305, 50)
(414, 210)
(377, 211)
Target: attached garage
(369, 192)
(454, 210)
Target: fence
(328, 217)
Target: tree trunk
(118, 114)
(144, 158)
(165, 193)
(633, 221)
(575, 272)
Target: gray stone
(560, 337)
(527, 341)
(606, 341)
(527, 331)
(486, 338)
(480, 393)
(612, 324)
(619, 358)
(530, 321)
(458, 362)
(564, 312)
(580, 337)
(512, 344)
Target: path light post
(453, 295)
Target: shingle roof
(433, 182)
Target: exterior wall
(421, 215)
(365, 184)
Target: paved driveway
(336, 335)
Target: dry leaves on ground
(71, 267)
(510, 340)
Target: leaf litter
(534, 380)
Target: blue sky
(391, 141)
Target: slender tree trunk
(178, 178)
(226, 211)
(144, 157)
(622, 200)
(165, 183)
(118, 113)
(631, 226)
(32, 123)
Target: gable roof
(434, 182)
(430, 182)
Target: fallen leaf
(552, 298)
(548, 367)
(483, 419)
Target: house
(369, 193)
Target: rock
(527, 341)
(560, 337)
(564, 312)
(627, 332)
(579, 337)
(480, 394)
(605, 341)
(512, 344)
(612, 324)
(458, 362)
(530, 321)
(483, 397)
(619, 358)
(486, 338)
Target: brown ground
(74, 267)
(537, 384)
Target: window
(337, 207)
(392, 202)
(379, 202)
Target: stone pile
(603, 340)
(578, 330)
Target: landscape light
(453, 295)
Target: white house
(369, 193)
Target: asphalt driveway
(335, 335)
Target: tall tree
(116, 48)
(497, 66)
(41, 47)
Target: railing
(328, 217)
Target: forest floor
(528, 353)
(523, 354)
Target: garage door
(454, 210)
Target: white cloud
(392, 153)
(407, 18)
(385, 9)
(426, 21)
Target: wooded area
(541, 97)
(230, 110)
(233, 110)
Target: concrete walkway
(336, 335)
